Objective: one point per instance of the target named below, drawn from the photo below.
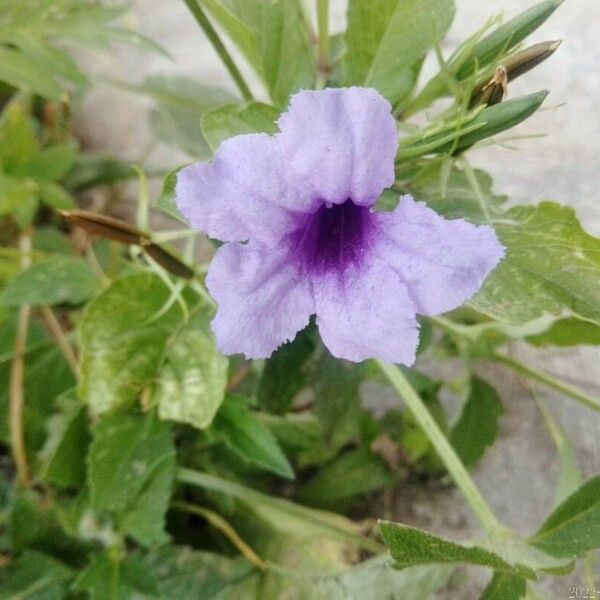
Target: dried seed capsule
(511, 68)
(120, 231)
(105, 226)
(492, 92)
(167, 261)
(489, 49)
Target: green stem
(253, 497)
(16, 394)
(414, 151)
(548, 381)
(218, 45)
(224, 527)
(445, 451)
(475, 187)
(323, 24)
(307, 19)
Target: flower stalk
(61, 339)
(17, 377)
(323, 63)
(445, 451)
(219, 47)
(547, 380)
(225, 528)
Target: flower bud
(527, 59)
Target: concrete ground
(518, 476)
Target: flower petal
(339, 144)
(442, 262)
(262, 300)
(366, 312)
(235, 197)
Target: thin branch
(548, 381)
(445, 451)
(17, 377)
(224, 527)
(61, 339)
(238, 376)
(337, 528)
(219, 47)
(323, 62)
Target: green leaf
(18, 197)
(53, 163)
(55, 196)
(370, 580)
(21, 72)
(40, 390)
(294, 433)
(507, 36)
(449, 194)
(337, 405)
(58, 280)
(63, 454)
(273, 39)
(574, 526)
(90, 170)
(410, 546)
(283, 515)
(486, 123)
(53, 61)
(252, 441)
(529, 282)
(498, 118)
(180, 103)
(192, 379)
(131, 469)
(34, 576)
(182, 573)
(505, 587)
(477, 426)
(349, 475)
(285, 374)
(166, 201)
(50, 240)
(165, 573)
(34, 33)
(477, 52)
(36, 524)
(18, 141)
(145, 520)
(567, 332)
(105, 577)
(123, 337)
(227, 121)
(386, 40)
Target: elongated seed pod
(105, 226)
(120, 231)
(167, 261)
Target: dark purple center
(333, 237)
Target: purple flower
(295, 211)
